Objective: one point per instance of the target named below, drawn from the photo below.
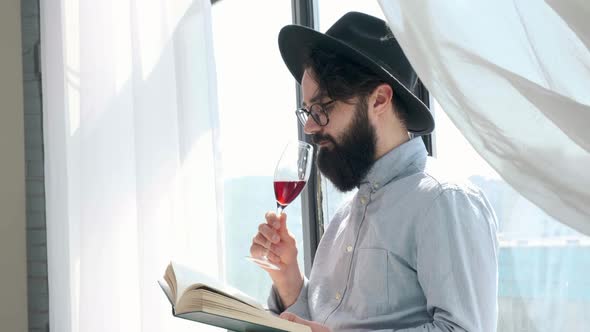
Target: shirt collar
(394, 163)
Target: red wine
(287, 191)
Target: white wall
(13, 261)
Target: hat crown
(372, 37)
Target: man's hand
(274, 241)
(315, 327)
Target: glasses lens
(318, 114)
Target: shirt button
(338, 296)
(363, 200)
(349, 248)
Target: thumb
(315, 327)
(293, 318)
(283, 231)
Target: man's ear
(382, 99)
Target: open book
(196, 297)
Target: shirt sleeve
(299, 308)
(457, 263)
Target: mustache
(317, 138)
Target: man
(411, 251)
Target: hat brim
(296, 40)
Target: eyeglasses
(318, 113)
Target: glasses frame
(303, 114)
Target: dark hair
(342, 79)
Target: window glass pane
(543, 264)
(257, 117)
(331, 10)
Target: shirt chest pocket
(369, 294)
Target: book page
(204, 301)
(188, 279)
(164, 285)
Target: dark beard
(346, 164)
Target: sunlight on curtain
(513, 77)
(132, 158)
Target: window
(543, 264)
(256, 96)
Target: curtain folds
(513, 76)
(132, 161)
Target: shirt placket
(357, 218)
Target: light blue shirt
(411, 251)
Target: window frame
(305, 13)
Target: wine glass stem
(280, 209)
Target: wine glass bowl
(292, 173)
(286, 192)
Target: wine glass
(291, 175)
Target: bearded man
(412, 250)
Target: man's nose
(311, 127)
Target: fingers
(279, 223)
(288, 316)
(315, 327)
(283, 230)
(267, 245)
(262, 241)
(292, 318)
(272, 220)
(258, 251)
(270, 234)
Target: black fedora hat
(367, 41)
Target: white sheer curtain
(514, 77)
(132, 158)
